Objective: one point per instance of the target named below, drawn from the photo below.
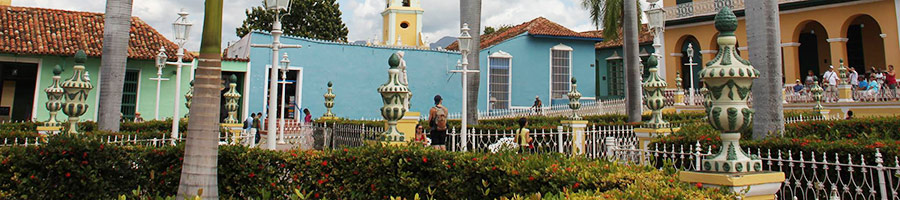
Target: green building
(34, 40)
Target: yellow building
(814, 35)
(403, 23)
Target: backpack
(440, 118)
(247, 123)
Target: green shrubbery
(71, 168)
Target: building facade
(35, 40)
(814, 35)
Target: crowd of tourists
(867, 86)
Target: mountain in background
(443, 42)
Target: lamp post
(277, 6)
(690, 52)
(182, 29)
(465, 43)
(160, 64)
(656, 16)
(285, 62)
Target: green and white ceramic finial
(654, 97)
(729, 79)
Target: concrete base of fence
(752, 185)
(645, 135)
(328, 118)
(845, 93)
(679, 98)
(407, 125)
(577, 127)
(49, 130)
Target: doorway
(223, 114)
(17, 90)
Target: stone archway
(865, 44)
(814, 51)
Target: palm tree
(607, 15)
(199, 171)
(611, 16)
(470, 12)
(116, 27)
(764, 34)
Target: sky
(362, 17)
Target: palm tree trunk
(117, 25)
(201, 151)
(763, 33)
(470, 12)
(632, 62)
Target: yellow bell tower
(403, 23)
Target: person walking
(523, 139)
(248, 126)
(308, 118)
(854, 78)
(537, 105)
(256, 127)
(890, 81)
(831, 80)
(437, 120)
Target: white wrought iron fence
(599, 107)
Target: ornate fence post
(679, 91)
(845, 90)
(54, 103)
(730, 79)
(818, 95)
(77, 89)
(654, 89)
(393, 94)
(329, 102)
(576, 125)
(880, 169)
(231, 123)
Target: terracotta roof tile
(645, 37)
(537, 26)
(40, 31)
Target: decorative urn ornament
(654, 98)
(329, 101)
(817, 95)
(231, 100)
(843, 73)
(76, 91)
(393, 95)
(678, 81)
(574, 100)
(189, 96)
(54, 97)
(729, 79)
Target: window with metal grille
(129, 93)
(560, 67)
(498, 76)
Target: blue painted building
(536, 58)
(610, 70)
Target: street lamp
(656, 16)
(182, 29)
(277, 6)
(285, 63)
(160, 64)
(465, 43)
(691, 64)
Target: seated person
(798, 87)
(863, 84)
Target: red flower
(576, 185)
(294, 154)
(84, 155)
(251, 175)
(68, 174)
(101, 146)
(474, 159)
(273, 184)
(345, 149)
(84, 162)
(515, 172)
(699, 185)
(31, 177)
(671, 180)
(317, 195)
(424, 159)
(325, 163)
(63, 152)
(321, 181)
(531, 178)
(493, 168)
(281, 165)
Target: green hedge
(72, 168)
(859, 128)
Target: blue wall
(358, 70)
(531, 68)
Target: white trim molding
(830, 40)
(501, 55)
(743, 48)
(790, 44)
(709, 51)
(681, 55)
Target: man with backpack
(437, 120)
(248, 124)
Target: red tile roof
(41, 31)
(645, 38)
(539, 26)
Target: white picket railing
(600, 107)
(706, 7)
